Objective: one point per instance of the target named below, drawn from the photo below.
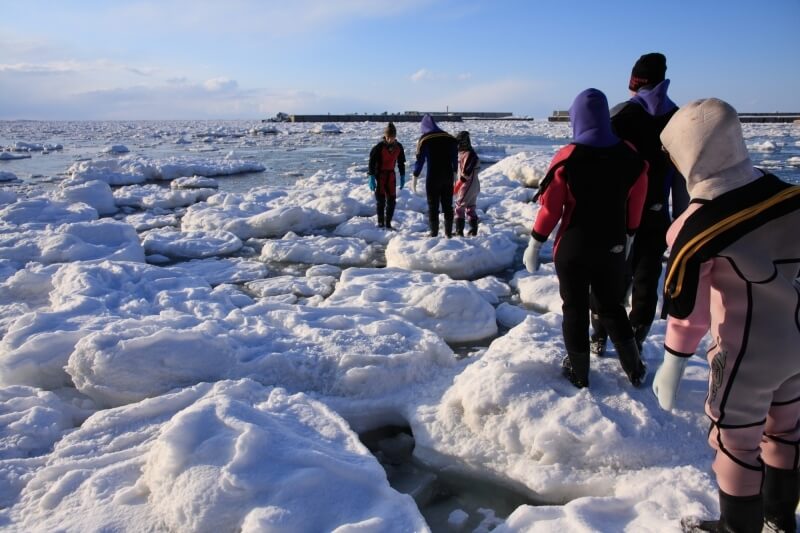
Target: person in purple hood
(596, 187)
(640, 121)
(439, 150)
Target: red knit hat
(649, 69)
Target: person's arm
(636, 197)
(374, 160)
(401, 161)
(680, 194)
(684, 335)
(422, 156)
(471, 163)
(552, 206)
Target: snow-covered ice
(224, 391)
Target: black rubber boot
(575, 367)
(390, 212)
(741, 514)
(433, 222)
(448, 225)
(460, 227)
(738, 514)
(473, 227)
(380, 219)
(631, 362)
(781, 494)
(640, 334)
(599, 339)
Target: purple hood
(591, 122)
(654, 99)
(428, 125)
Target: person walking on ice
(383, 158)
(438, 149)
(467, 187)
(733, 270)
(596, 187)
(639, 121)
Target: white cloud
(220, 85)
(420, 75)
(424, 74)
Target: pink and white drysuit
(733, 271)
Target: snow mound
(227, 456)
(455, 310)
(459, 258)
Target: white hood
(704, 139)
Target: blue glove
(402, 180)
(668, 377)
(372, 183)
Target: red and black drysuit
(597, 193)
(383, 158)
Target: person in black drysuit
(440, 150)
(595, 187)
(640, 121)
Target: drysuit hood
(428, 125)
(591, 122)
(654, 99)
(704, 140)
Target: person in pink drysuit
(733, 270)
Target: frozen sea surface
(202, 329)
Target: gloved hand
(414, 183)
(402, 181)
(667, 378)
(531, 256)
(372, 183)
(628, 245)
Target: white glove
(667, 378)
(414, 184)
(628, 245)
(531, 256)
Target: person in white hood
(733, 270)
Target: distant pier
(408, 116)
(769, 117)
(559, 116)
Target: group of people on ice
(732, 270)
(449, 159)
(638, 179)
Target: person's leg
(460, 222)
(780, 449)
(447, 208)
(472, 215)
(391, 200)
(433, 209)
(380, 200)
(599, 337)
(573, 285)
(608, 286)
(648, 252)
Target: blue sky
(198, 59)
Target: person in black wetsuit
(596, 187)
(640, 121)
(440, 150)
